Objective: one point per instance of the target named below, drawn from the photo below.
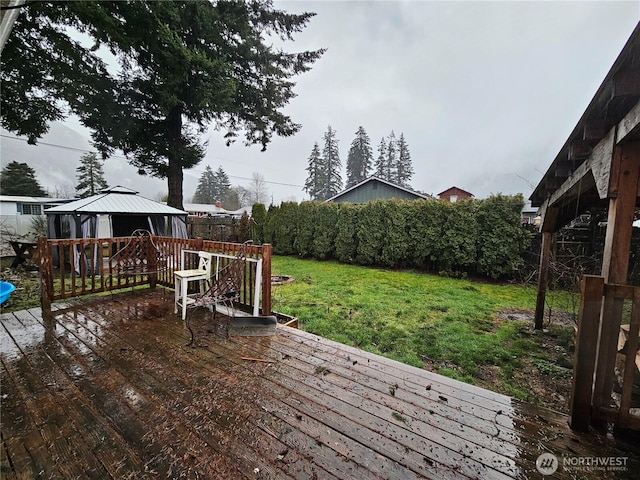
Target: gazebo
(599, 167)
(114, 212)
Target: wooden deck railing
(606, 356)
(81, 266)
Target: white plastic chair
(183, 277)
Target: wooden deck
(106, 388)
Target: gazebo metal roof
(116, 200)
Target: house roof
(118, 199)
(381, 180)
(458, 189)
(26, 199)
(205, 208)
(528, 208)
(212, 209)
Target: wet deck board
(107, 388)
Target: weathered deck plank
(107, 388)
(165, 430)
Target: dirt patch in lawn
(542, 377)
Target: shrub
(285, 229)
(259, 217)
(326, 220)
(395, 249)
(346, 241)
(370, 233)
(501, 239)
(305, 231)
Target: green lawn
(421, 319)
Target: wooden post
(623, 192)
(266, 279)
(46, 274)
(591, 290)
(628, 376)
(543, 278)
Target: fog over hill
(57, 156)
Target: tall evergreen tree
(360, 158)
(392, 159)
(223, 185)
(181, 66)
(381, 161)
(314, 185)
(331, 164)
(404, 168)
(207, 189)
(90, 176)
(20, 179)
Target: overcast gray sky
(485, 93)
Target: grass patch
(448, 325)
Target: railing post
(46, 273)
(591, 291)
(266, 279)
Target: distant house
(374, 188)
(209, 210)
(529, 214)
(17, 213)
(454, 194)
(205, 210)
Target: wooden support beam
(553, 183)
(549, 218)
(591, 290)
(607, 347)
(579, 150)
(629, 124)
(543, 278)
(598, 165)
(615, 263)
(623, 188)
(564, 168)
(595, 129)
(626, 82)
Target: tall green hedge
(496, 257)
(346, 242)
(326, 221)
(259, 217)
(479, 237)
(306, 228)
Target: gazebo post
(543, 278)
(548, 226)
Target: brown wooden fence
(607, 363)
(81, 266)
